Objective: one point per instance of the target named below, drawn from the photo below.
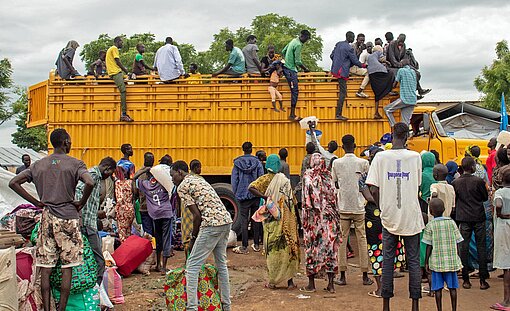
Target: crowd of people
(382, 66)
(410, 213)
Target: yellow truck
(209, 119)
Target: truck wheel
(231, 203)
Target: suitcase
(132, 253)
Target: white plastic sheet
(8, 198)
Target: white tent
(8, 198)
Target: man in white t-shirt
(396, 177)
(346, 172)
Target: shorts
(59, 239)
(439, 278)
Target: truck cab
(428, 134)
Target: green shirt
(442, 233)
(138, 57)
(236, 59)
(292, 54)
(89, 211)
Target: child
(139, 65)
(442, 236)
(502, 236)
(98, 68)
(194, 76)
(274, 79)
(162, 212)
(442, 190)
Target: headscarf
(452, 170)
(377, 48)
(71, 45)
(428, 160)
(273, 163)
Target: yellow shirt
(111, 65)
(194, 78)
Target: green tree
(270, 29)
(5, 90)
(90, 51)
(35, 137)
(495, 79)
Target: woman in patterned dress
(281, 241)
(124, 209)
(321, 224)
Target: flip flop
(238, 250)
(368, 282)
(270, 286)
(255, 248)
(373, 294)
(329, 291)
(498, 306)
(304, 290)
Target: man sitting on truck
(168, 62)
(292, 55)
(236, 63)
(139, 66)
(115, 71)
(98, 68)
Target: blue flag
(504, 116)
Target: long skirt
(382, 83)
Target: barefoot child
(502, 237)
(274, 79)
(442, 236)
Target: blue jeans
(209, 240)
(292, 79)
(412, 247)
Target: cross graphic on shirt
(399, 184)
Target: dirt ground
(248, 273)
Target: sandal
(255, 248)
(239, 250)
(368, 282)
(499, 306)
(374, 294)
(331, 291)
(305, 290)
(270, 286)
(295, 118)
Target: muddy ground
(247, 275)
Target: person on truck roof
(406, 76)
(380, 78)
(270, 57)
(247, 168)
(98, 68)
(139, 66)
(292, 55)
(64, 61)
(236, 65)
(115, 71)
(344, 57)
(360, 49)
(168, 62)
(251, 58)
(397, 53)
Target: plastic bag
(232, 239)
(112, 283)
(108, 242)
(162, 174)
(145, 266)
(103, 297)
(86, 300)
(108, 259)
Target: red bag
(132, 253)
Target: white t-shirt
(397, 174)
(346, 171)
(364, 56)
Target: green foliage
(34, 138)
(5, 90)
(495, 79)
(270, 29)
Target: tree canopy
(270, 29)
(495, 79)
(6, 85)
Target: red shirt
(491, 164)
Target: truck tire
(228, 198)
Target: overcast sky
(452, 40)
